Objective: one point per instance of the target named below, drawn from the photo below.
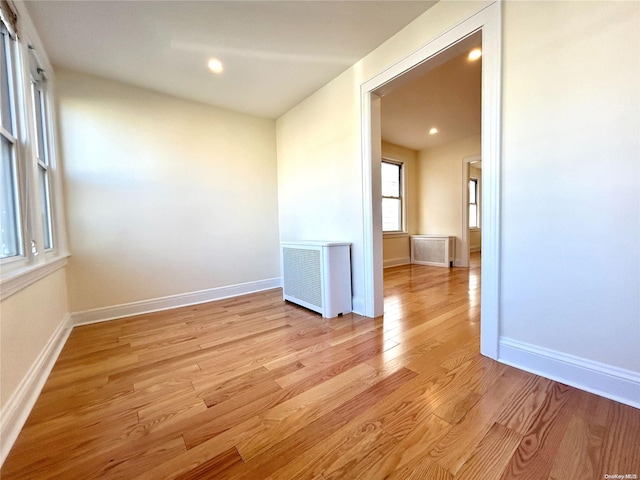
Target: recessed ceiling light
(215, 65)
(475, 54)
(433, 131)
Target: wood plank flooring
(255, 388)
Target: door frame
(488, 21)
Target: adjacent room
(157, 158)
(430, 130)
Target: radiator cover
(434, 250)
(317, 275)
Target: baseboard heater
(434, 250)
(317, 275)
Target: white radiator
(317, 275)
(435, 250)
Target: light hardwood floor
(254, 388)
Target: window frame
(476, 203)
(15, 137)
(42, 149)
(36, 261)
(400, 198)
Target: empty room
(320, 239)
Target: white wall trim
(371, 131)
(394, 262)
(103, 314)
(491, 177)
(605, 380)
(15, 412)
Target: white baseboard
(605, 380)
(103, 314)
(16, 411)
(394, 262)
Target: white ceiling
(275, 53)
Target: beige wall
(29, 320)
(440, 178)
(164, 196)
(396, 247)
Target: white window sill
(395, 235)
(475, 229)
(20, 279)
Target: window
(392, 208)
(10, 225)
(473, 204)
(29, 247)
(39, 98)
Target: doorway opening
(487, 24)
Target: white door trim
(488, 21)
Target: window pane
(9, 226)
(38, 102)
(391, 215)
(5, 94)
(390, 180)
(45, 206)
(472, 191)
(473, 216)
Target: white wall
(571, 178)
(319, 183)
(396, 248)
(164, 196)
(441, 188)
